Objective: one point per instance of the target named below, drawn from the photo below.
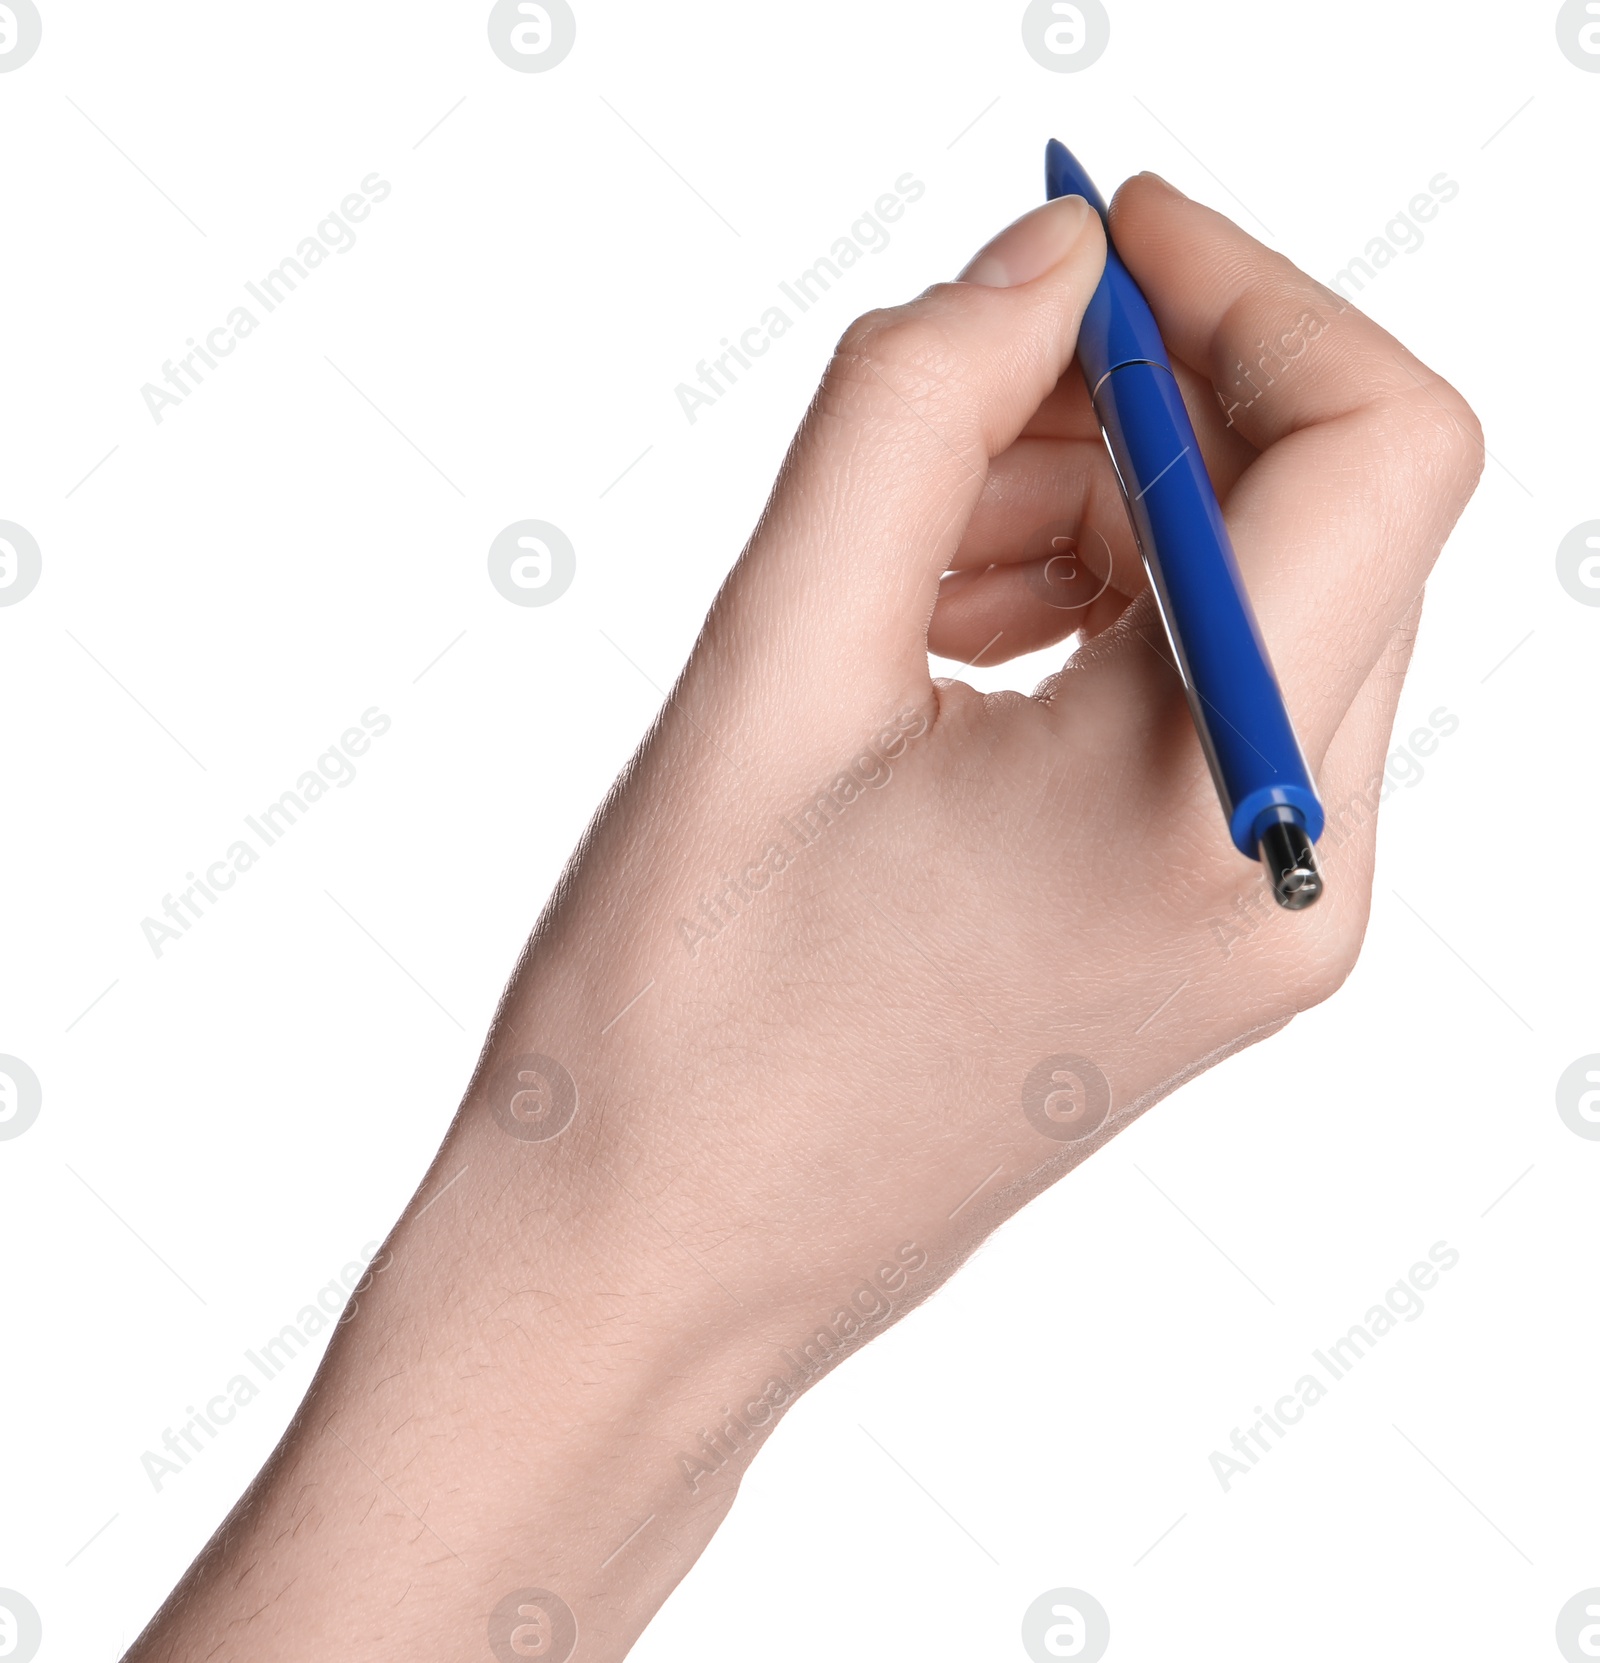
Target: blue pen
(1271, 805)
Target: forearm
(556, 1382)
(504, 1412)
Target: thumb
(831, 599)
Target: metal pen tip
(1291, 865)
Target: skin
(787, 1118)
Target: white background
(224, 1127)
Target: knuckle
(1443, 436)
(857, 339)
(910, 339)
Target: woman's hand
(869, 905)
(854, 962)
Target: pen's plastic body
(1261, 775)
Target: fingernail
(1030, 246)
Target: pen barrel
(1256, 761)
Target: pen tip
(1064, 176)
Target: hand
(845, 940)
